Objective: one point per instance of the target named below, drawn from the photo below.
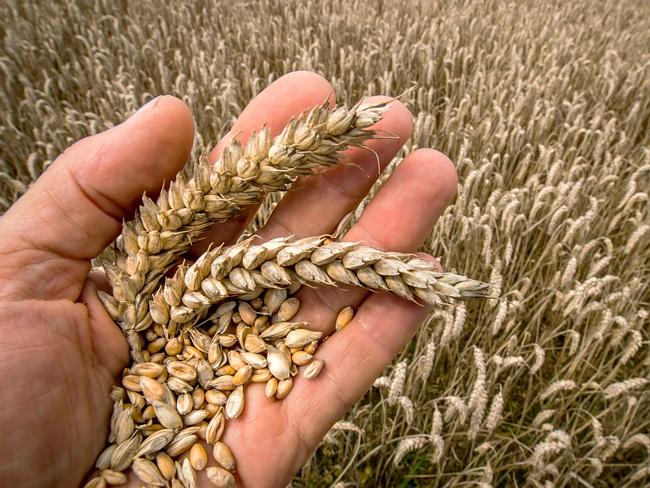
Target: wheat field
(545, 109)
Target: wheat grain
(313, 369)
(438, 449)
(148, 472)
(569, 272)
(186, 474)
(508, 362)
(478, 390)
(597, 429)
(344, 317)
(459, 321)
(633, 345)
(223, 455)
(113, 477)
(201, 384)
(499, 317)
(555, 442)
(166, 466)
(448, 329)
(97, 482)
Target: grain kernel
(344, 317)
(198, 457)
(223, 455)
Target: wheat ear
(244, 269)
(161, 230)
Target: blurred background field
(545, 109)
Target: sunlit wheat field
(544, 106)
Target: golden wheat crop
(545, 109)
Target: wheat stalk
(151, 242)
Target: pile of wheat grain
(544, 107)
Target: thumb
(76, 207)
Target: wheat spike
(161, 230)
(246, 268)
(616, 389)
(407, 445)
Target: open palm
(60, 352)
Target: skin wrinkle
(322, 300)
(95, 373)
(83, 335)
(40, 392)
(343, 401)
(313, 403)
(56, 255)
(339, 188)
(156, 129)
(71, 342)
(303, 448)
(64, 213)
(370, 238)
(104, 328)
(37, 270)
(111, 208)
(70, 389)
(374, 332)
(367, 328)
(362, 352)
(282, 228)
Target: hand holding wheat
(61, 352)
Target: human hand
(61, 352)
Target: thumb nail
(147, 106)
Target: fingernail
(150, 104)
